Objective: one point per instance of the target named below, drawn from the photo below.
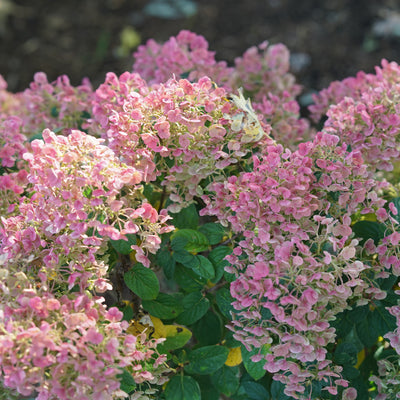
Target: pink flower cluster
(263, 73)
(69, 347)
(58, 105)
(297, 261)
(289, 195)
(57, 340)
(354, 87)
(13, 146)
(76, 185)
(183, 131)
(185, 55)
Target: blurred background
(328, 40)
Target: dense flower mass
(84, 173)
(181, 131)
(296, 266)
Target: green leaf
(346, 353)
(207, 389)
(215, 232)
(377, 323)
(255, 369)
(143, 282)
(224, 302)
(127, 311)
(396, 202)
(188, 280)
(217, 258)
(382, 320)
(165, 260)
(255, 391)
(204, 268)
(185, 258)
(226, 380)
(190, 240)
(182, 387)
(164, 306)
(87, 192)
(208, 330)
(367, 335)
(206, 360)
(176, 337)
(124, 246)
(199, 264)
(369, 230)
(277, 393)
(127, 382)
(186, 218)
(195, 305)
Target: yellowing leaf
(136, 328)
(234, 357)
(360, 358)
(159, 328)
(176, 337)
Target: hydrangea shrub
(182, 232)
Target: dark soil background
(328, 40)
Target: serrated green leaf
(195, 306)
(255, 391)
(367, 335)
(204, 268)
(127, 382)
(207, 389)
(226, 380)
(188, 280)
(217, 258)
(127, 311)
(165, 260)
(213, 231)
(124, 246)
(369, 230)
(187, 218)
(189, 240)
(224, 302)
(164, 306)
(208, 330)
(197, 263)
(277, 391)
(377, 323)
(206, 360)
(182, 387)
(346, 354)
(255, 369)
(382, 320)
(143, 282)
(185, 258)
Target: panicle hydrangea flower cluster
(183, 131)
(58, 105)
(76, 185)
(69, 347)
(77, 195)
(9, 102)
(297, 264)
(263, 73)
(370, 123)
(13, 146)
(353, 87)
(185, 56)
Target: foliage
(182, 233)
